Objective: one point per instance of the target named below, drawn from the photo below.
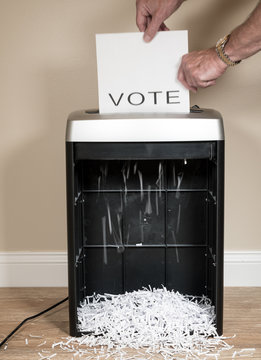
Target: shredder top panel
(198, 125)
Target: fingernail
(146, 38)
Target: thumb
(152, 28)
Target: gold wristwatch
(220, 50)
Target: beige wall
(47, 69)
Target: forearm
(245, 40)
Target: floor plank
(242, 317)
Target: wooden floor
(242, 316)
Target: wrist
(224, 52)
(230, 51)
(219, 63)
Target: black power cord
(31, 318)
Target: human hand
(151, 14)
(200, 69)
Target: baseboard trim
(242, 268)
(33, 269)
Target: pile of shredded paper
(159, 322)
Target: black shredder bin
(145, 204)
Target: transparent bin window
(187, 174)
(103, 271)
(186, 270)
(99, 175)
(102, 217)
(144, 267)
(144, 218)
(186, 218)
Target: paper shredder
(145, 204)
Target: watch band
(220, 50)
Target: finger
(141, 21)
(163, 27)
(206, 84)
(183, 80)
(152, 28)
(187, 73)
(190, 79)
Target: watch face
(222, 42)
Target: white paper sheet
(134, 76)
